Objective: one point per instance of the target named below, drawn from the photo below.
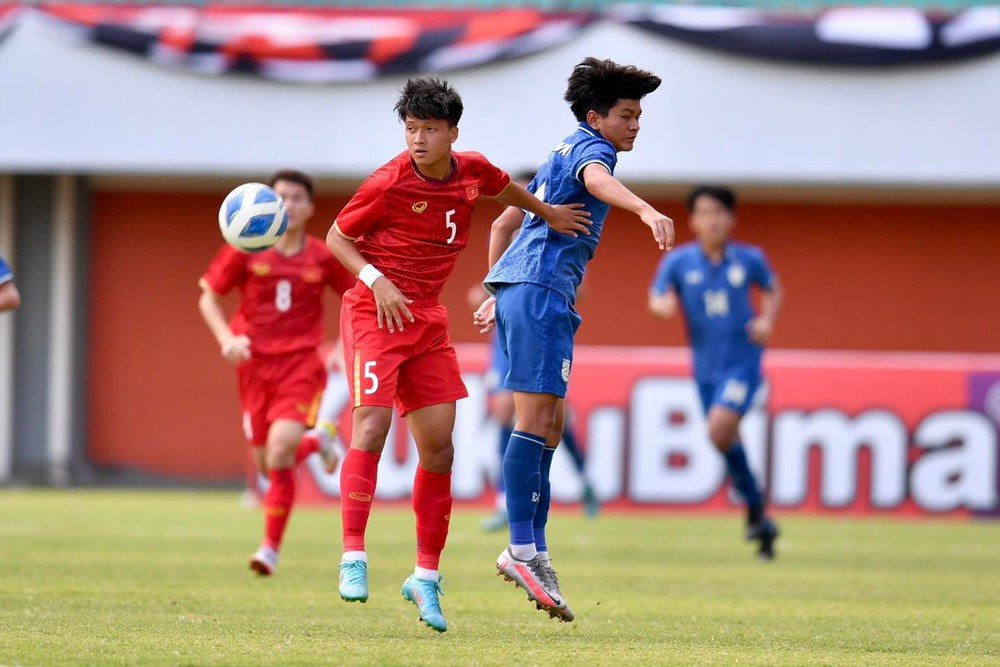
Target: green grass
(160, 578)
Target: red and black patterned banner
(359, 43)
(315, 44)
(855, 36)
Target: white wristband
(369, 274)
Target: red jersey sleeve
(366, 207)
(492, 179)
(227, 270)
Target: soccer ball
(252, 217)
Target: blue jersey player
(535, 282)
(710, 280)
(10, 298)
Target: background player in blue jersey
(10, 298)
(535, 282)
(710, 280)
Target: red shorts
(280, 386)
(415, 367)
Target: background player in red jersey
(272, 340)
(401, 233)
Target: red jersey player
(401, 233)
(272, 340)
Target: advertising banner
(847, 432)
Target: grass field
(160, 578)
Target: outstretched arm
(600, 183)
(663, 305)
(502, 232)
(569, 219)
(761, 327)
(234, 348)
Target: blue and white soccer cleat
(354, 581)
(424, 594)
(264, 561)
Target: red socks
(278, 506)
(358, 475)
(432, 505)
(307, 445)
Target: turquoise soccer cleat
(424, 594)
(354, 581)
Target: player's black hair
(599, 84)
(429, 98)
(293, 176)
(719, 193)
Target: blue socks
(522, 476)
(573, 448)
(506, 430)
(544, 500)
(742, 478)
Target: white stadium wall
(73, 106)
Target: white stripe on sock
(524, 437)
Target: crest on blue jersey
(737, 275)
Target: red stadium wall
(888, 277)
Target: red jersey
(281, 309)
(411, 227)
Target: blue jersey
(6, 275)
(539, 254)
(716, 303)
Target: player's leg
(372, 360)
(282, 439)
(432, 428)
(256, 393)
(358, 480)
(732, 397)
(430, 382)
(541, 519)
(529, 448)
(322, 437)
(573, 448)
(537, 327)
(502, 412)
(295, 382)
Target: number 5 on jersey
(452, 227)
(367, 378)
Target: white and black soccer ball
(252, 217)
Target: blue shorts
(499, 365)
(535, 327)
(734, 389)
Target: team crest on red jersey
(472, 191)
(419, 207)
(260, 268)
(312, 274)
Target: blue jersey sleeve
(6, 275)
(665, 278)
(600, 152)
(759, 269)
